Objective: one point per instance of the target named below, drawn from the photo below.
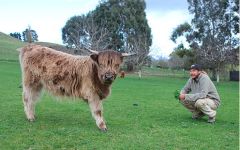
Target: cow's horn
(127, 54)
(92, 51)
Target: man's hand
(182, 97)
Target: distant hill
(8, 46)
(63, 48)
(53, 45)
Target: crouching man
(199, 95)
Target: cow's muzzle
(109, 77)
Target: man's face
(194, 73)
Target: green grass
(165, 72)
(8, 46)
(157, 122)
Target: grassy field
(8, 46)
(140, 114)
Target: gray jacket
(199, 88)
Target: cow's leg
(30, 96)
(97, 113)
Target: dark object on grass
(176, 94)
(135, 104)
(234, 75)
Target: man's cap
(196, 67)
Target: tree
(212, 33)
(119, 25)
(29, 35)
(72, 32)
(160, 62)
(97, 37)
(81, 32)
(140, 48)
(128, 28)
(175, 62)
(188, 55)
(16, 35)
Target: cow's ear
(94, 57)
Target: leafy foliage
(181, 30)
(29, 35)
(186, 56)
(16, 35)
(177, 94)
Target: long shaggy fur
(66, 75)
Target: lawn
(140, 114)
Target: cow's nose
(108, 76)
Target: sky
(48, 17)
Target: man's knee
(189, 105)
(200, 103)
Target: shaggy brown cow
(86, 77)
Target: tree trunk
(214, 75)
(217, 76)
(130, 67)
(140, 73)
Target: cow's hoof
(31, 119)
(104, 129)
(102, 126)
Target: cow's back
(60, 73)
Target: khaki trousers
(206, 106)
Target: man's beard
(196, 77)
